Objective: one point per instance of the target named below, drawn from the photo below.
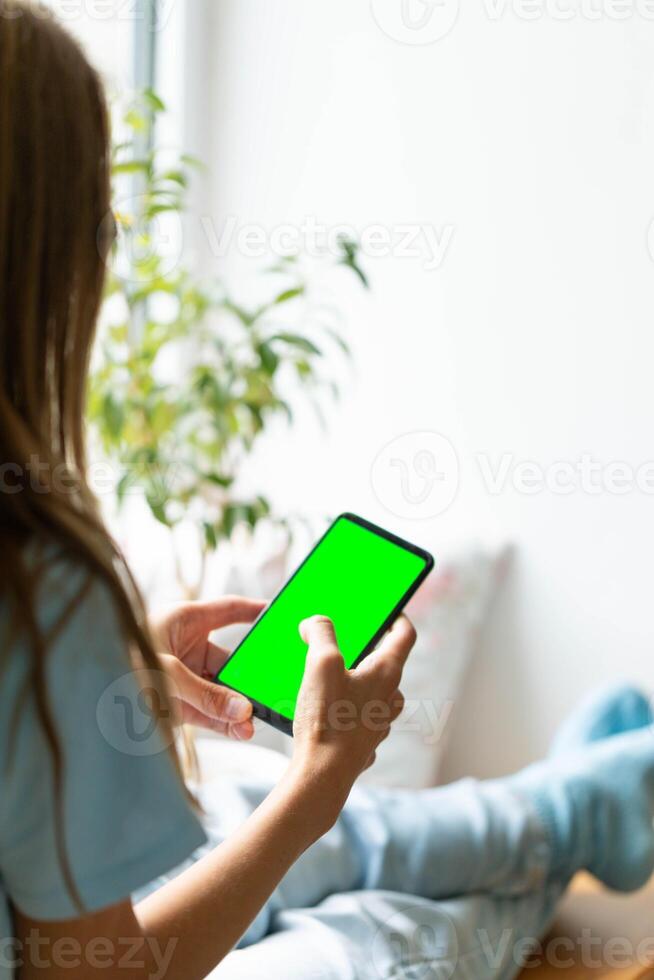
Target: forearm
(206, 909)
(183, 930)
(187, 927)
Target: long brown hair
(54, 203)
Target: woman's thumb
(318, 632)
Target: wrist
(317, 791)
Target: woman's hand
(192, 661)
(343, 715)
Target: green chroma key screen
(359, 576)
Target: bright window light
(107, 32)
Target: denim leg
(381, 935)
(441, 843)
(467, 837)
(456, 840)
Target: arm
(219, 897)
(185, 928)
(191, 923)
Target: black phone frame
(279, 721)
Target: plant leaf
(153, 101)
(210, 536)
(288, 295)
(297, 340)
(131, 167)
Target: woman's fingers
(226, 611)
(388, 660)
(397, 703)
(183, 629)
(241, 732)
(208, 698)
(399, 641)
(216, 658)
(318, 632)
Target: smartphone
(359, 575)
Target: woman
(87, 819)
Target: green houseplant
(180, 440)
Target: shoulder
(122, 806)
(84, 644)
(64, 583)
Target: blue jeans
(450, 882)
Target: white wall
(107, 34)
(534, 141)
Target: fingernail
(238, 709)
(244, 731)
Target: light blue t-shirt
(126, 817)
